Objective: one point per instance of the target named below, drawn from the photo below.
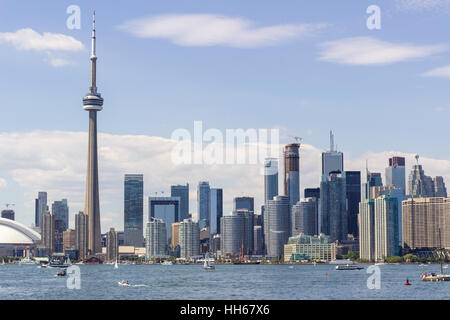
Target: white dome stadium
(14, 233)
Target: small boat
(379, 264)
(348, 267)
(124, 283)
(61, 273)
(167, 263)
(441, 276)
(116, 266)
(207, 265)
(445, 267)
(3, 261)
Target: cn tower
(92, 102)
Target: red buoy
(407, 282)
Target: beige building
(366, 222)
(48, 232)
(175, 241)
(69, 239)
(112, 245)
(422, 218)
(81, 234)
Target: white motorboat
(167, 263)
(124, 283)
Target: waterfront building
(8, 214)
(353, 190)
(332, 160)
(333, 206)
(216, 210)
(277, 225)
(292, 173)
(81, 234)
(395, 173)
(112, 245)
(237, 233)
(305, 217)
(307, 247)
(182, 192)
(366, 221)
(203, 205)
(189, 239)
(386, 227)
(423, 220)
(92, 102)
(166, 209)
(134, 209)
(156, 238)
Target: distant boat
(348, 267)
(167, 263)
(124, 283)
(445, 267)
(3, 261)
(341, 261)
(116, 266)
(379, 264)
(207, 265)
(27, 260)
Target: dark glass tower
(134, 210)
(353, 189)
(183, 193)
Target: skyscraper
(60, 210)
(312, 193)
(395, 173)
(419, 185)
(203, 198)
(353, 189)
(8, 214)
(134, 209)
(277, 225)
(270, 179)
(333, 206)
(386, 227)
(189, 239)
(292, 173)
(373, 179)
(366, 221)
(332, 160)
(47, 227)
(40, 207)
(166, 209)
(112, 245)
(92, 102)
(216, 210)
(183, 193)
(156, 238)
(439, 187)
(237, 233)
(81, 234)
(305, 217)
(175, 241)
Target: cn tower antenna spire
(93, 58)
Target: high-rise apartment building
(175, 239)
(40, 207)
(439, 187)
(156, 238)
(247, 203)
(69, 239)
(270, 179)
(60, 210)
(353, 190)
(386, 227)
(292, 173)
(312, 193)
(235, 233)
(305, 217)
(165, 208)
(189, 239)
(424, 221)
(112, 245)
(134, 209)
(366, 221)
(183, 193)
(277, 225)
(81, 234)
(48, 232)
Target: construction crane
(297, 139)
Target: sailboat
(3, 261)
(207, 265)
(433, 276)
(116, 266)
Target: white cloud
(441, 72)
(211, 30)
(371, 51)
(28, 39)
(55, 161)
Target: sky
(304, 68)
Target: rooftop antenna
(417, 158)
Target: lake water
(228, 282)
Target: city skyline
(55, 161)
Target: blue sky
(294, 80)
